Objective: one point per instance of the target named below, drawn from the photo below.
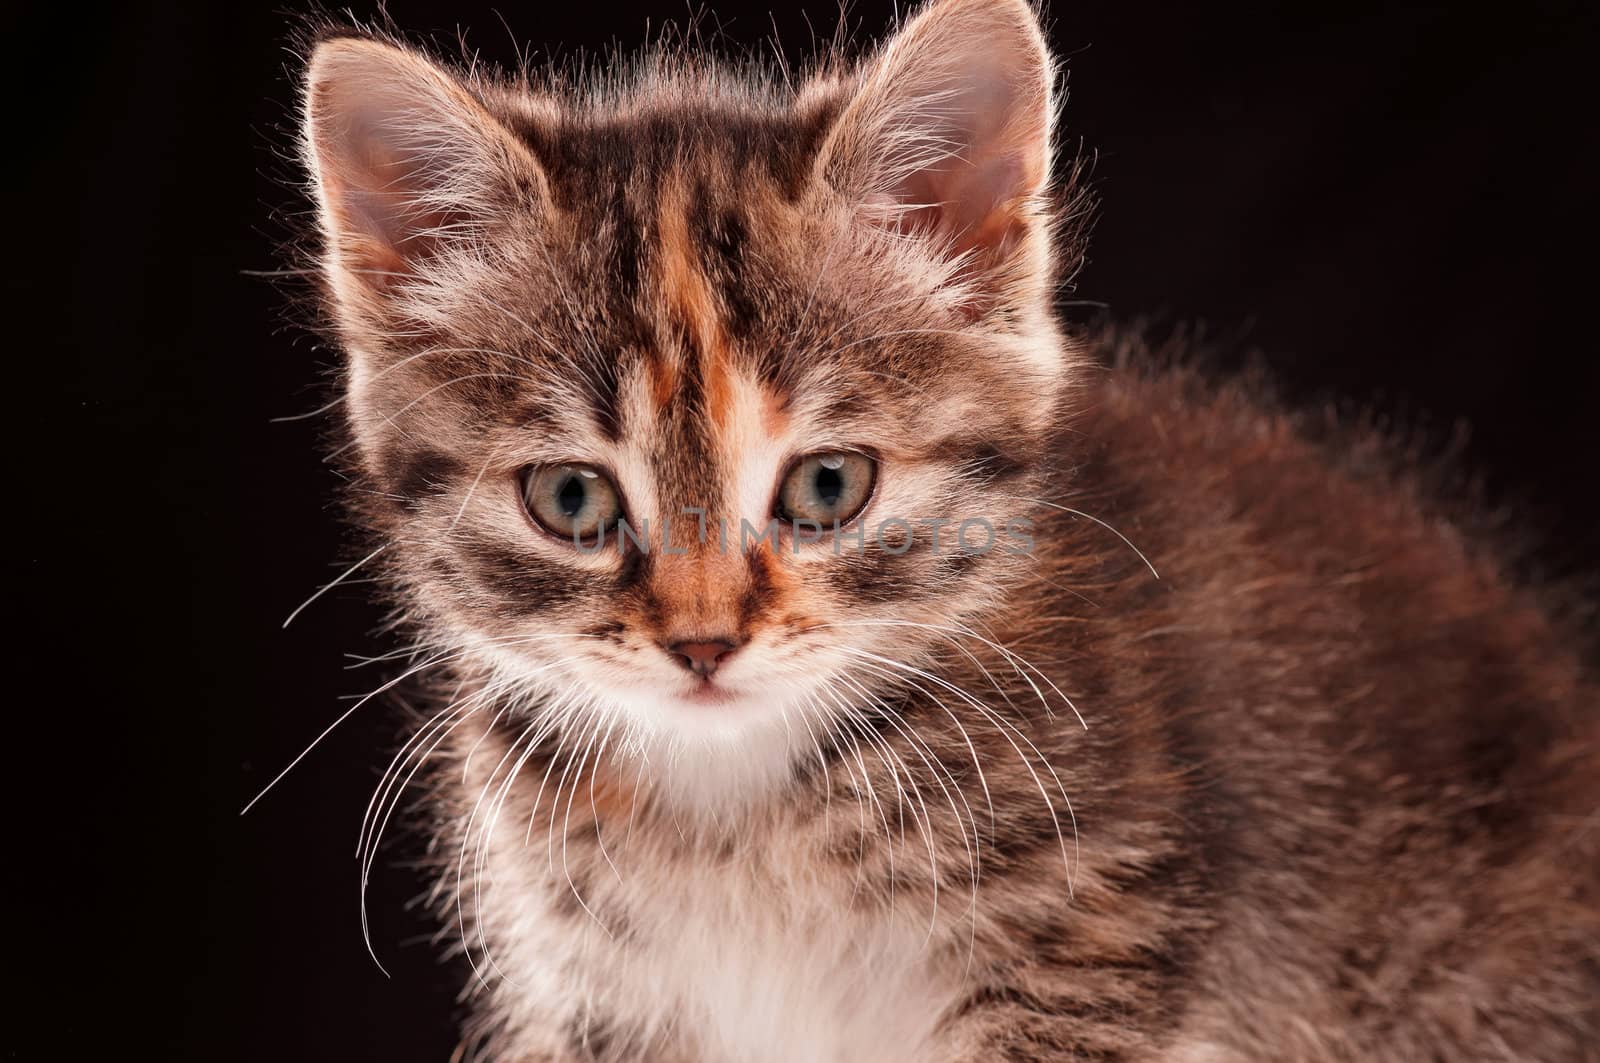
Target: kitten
(836, 660)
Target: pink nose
(701, 658)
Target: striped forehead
(653, 221)
(693, 407)
(695, 281)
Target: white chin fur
(724, 775)
(716, 758)
(707, 759)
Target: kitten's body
(1335, 800)
(1332, 793)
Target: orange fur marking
(663, 380)
(698, 591)
(686, 289)
(613, 796)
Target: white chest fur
(796, 987)
(731, 965)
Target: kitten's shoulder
(1224, 485)
(1173, 418)
(1312, 530)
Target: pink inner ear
(373, 191)
(381, 199)
(404, 156)
(972, 202)
(949, 137)
(979, 119)
(958, 201)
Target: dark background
(1390, 204)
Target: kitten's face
(723, 310)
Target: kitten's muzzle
(702, 658)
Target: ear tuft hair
(407, 164)
(948, 139)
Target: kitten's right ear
(407, 164)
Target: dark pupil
(570, 496)
(830, 485)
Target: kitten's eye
(575, 502)
(827, 487)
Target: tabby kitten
(835, 660)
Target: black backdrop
(1388, 203)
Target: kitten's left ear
(948, 138)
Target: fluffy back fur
(1122, 722)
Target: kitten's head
(573, 314)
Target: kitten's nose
(702, 658)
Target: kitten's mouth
(709, 692)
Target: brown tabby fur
(1334, 795)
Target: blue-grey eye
(826, 487)
(573, 501)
